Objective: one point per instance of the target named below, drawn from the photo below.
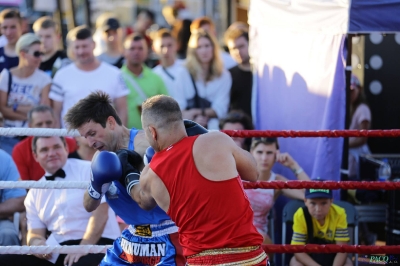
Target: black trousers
(30, 260)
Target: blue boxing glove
(106, 168)
(130, 162)
(148, 155)
(193, 129)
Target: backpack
(324, 259)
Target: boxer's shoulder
(213, 137)
(214, 140)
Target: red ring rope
(297, 184)
(312, 133)
(331, 248)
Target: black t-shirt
(241, 90)
(49, 65)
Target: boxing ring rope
(312, 133)
(44, 184)
(77, 249)
(309, 248)
(290, 184)
(42, 132)
(298, 184)
(233, 133)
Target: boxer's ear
(111, 122)
(153, 132)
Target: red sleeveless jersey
(209, 214)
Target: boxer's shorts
(146, 245)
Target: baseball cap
(313, 193)
(25, 41)
(110, 24)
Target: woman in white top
(266, 153)
(23, 87)
(360, 119)
(203, 73)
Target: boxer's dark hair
(162, 111)
(35, 139)
(96, 107)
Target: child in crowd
(320, 222)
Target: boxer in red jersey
(197, 181)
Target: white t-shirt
(70, 84)
(24, 91)
(61, 211)
(217, 91)
(169, 74)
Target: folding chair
(372, 213)
(292, 206)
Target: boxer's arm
(141, 193)
(90, 203)
(245, 163)
(95, 227)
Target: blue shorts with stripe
(146, 245)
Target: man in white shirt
(60, 211)
(165, 46)
(85, 75)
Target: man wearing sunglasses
(22, 87)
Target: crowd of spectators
(39, 82)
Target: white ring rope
(44, 184)
(77, 249)
(43, 132)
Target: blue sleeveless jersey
(126, 208)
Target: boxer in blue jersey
(151, 238)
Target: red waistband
(230, 256)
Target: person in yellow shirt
(320, 222)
